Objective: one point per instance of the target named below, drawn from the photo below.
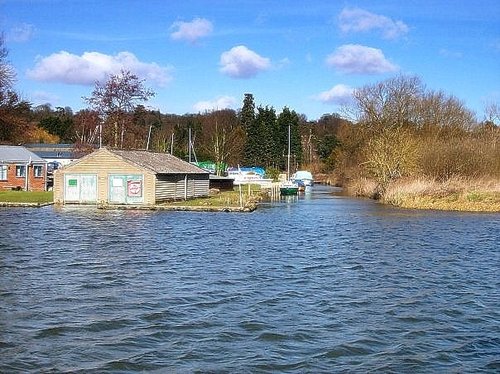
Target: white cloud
(358, 59)
(65, 67)
(241, 62)
(338, 94)
(359, 20)
(191, 31)
(21, 33)
(221, 102)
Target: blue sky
(206, 54)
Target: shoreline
(454, 195)
(25, 205)
(183, 208)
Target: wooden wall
(103, 163)
(156, 187)
(181, 186)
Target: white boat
(303, 177)
(249, 176)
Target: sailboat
(289, 188)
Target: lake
(321, 283)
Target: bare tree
(86, 124)
(7, 74)
(116, 99)
(398, 125)
(389, 104)
(222, 137)
(443, 115)
(492, 112)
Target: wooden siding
(174, 186)
(58, 187)
(103, 163)
(200, 185)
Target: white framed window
(38, 171)
(21, 171)
(3, 172)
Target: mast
(288, 156)
(189, 145)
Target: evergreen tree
(247, 114)
(59, 123)
(251, 153)
(291, 118)
(266, 122)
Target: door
(80, 188)
(126, 189)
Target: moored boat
(289, 188)
(248, 175)
(303, 177)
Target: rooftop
(16, 153)
(160, 163)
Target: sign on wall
(134, 188)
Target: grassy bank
(458, 194)
(216, 199)
(224, 198)
(26, 197)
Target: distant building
(61, 154)
(22, 169)
(109, 176)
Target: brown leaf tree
(115, 101)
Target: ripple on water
(319, 285)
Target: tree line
(392, 129)
(401, 129)
(116, 116)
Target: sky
(200, 55)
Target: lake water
(318, 284)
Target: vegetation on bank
(26, 197)
(458, 194)
(417, 148)
(219, 199)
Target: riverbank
(454, 194)
(217, 201)
(26, 205)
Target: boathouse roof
(160, 163)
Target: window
(38, 170)
(20, 171)
(3, 172)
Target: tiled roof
(160, 163)
(15, 153)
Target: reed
(456, 193)
(362, 187)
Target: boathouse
(21, 169)
(109, 176)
